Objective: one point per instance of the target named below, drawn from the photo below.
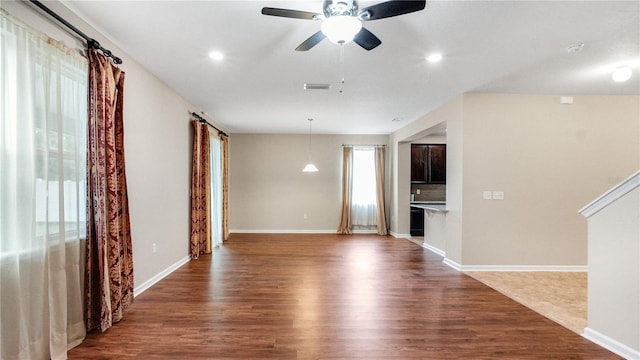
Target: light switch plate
(566, 100)
(486, 195)
(498, 195)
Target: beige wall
(157, 151)
(455, 178)
(269, 191)
(400, 203)
(401, 159)
(549, 159)
(435, 230)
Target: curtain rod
(91, 43)
(201, 119)
(355, 145)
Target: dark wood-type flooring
(329, 297)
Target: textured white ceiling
(488, 46)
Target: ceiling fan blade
(366, 39)
(312, 41)
(290, 13)
(390, 8)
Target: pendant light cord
(310, 120)
(341, 68)
(310, 167)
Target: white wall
(157, 150)
(268, 190)
(614, 271)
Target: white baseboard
(516, 268)
(399, 236)
(271, 231)
(367, 231)
(433, 249)
(161, 275)
(452, 264)
(294, 231)
(611, 344)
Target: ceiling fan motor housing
(339, 7)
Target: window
(43, 88)
(363, 197)
(215, 174)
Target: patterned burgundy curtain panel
(200, 241)
(109, 261)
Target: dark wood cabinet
(437, 164)
(419, 155)
(429, 163)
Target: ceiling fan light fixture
(341, 29)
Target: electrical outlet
(305, 216)
(154, 248)
(418, 191)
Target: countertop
(430, 206)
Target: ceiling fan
(342, 20)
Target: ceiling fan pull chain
(341, 68)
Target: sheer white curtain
(363, 196)
(215, 169)
(43, 109)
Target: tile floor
(559, 296)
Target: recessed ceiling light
(216, 55)
(621, 74)
(434, 58)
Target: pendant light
(310, 167)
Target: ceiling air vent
(317, 86)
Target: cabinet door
(419, 164)
(437, 164)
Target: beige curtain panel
(382, 219)
(347, 183)
(225, 187)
